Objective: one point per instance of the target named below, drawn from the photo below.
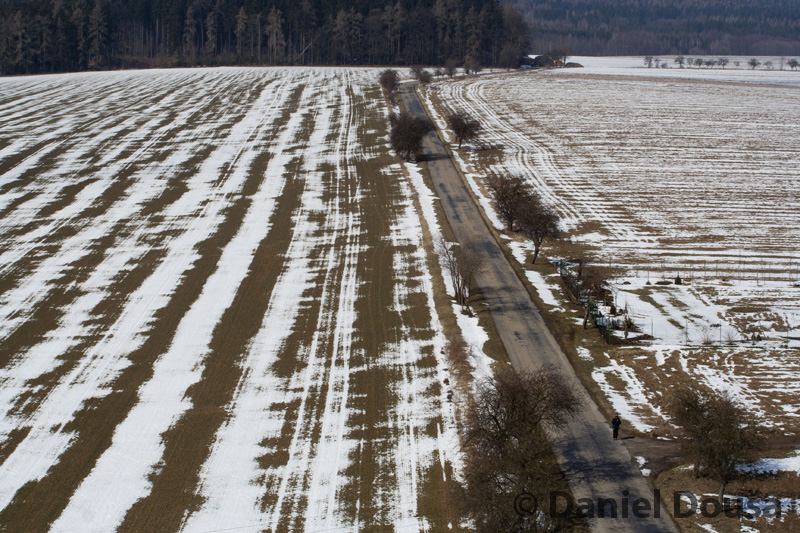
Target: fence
(603, 323)
(759, 269)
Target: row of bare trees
(523, 210)
(507, 450)
(753, 63)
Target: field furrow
(680, 189)
(216, 307)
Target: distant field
(652, 172)
(658, 173)
(216, 310)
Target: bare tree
(711, 63)
(793, 63)
(592, 280)
(507, 449)
(718, 434)
(421, 75)
(648, 61)
(537, 221)
(451, 67)
(464, 126)
(698, 62)
(723, 61)
(407, 133)
(753, 62)
(691, 410)
(508, 193)
(388, 80)
(472, 65)
(680, 60)
(769, 64)
(556, 55)
(463, 264)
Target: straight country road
(595, 465)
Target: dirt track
(595, 465)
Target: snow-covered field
(660, 173)
(741, 73)
(216, 308)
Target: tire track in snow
(535, 161)
(308, 486)
(230, 480)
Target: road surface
(595, 465)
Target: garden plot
(690, 174)
(216, 308)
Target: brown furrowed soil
(216, 311)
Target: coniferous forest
(641, 27)
(69, 35)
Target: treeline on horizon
(39, 36)
(642, 27)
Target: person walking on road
(615, 424)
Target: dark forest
(641, 27)
(70, 35)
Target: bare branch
(537, 221)
(464, 126)
(508, 193)
(407, 133)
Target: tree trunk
(535, 253)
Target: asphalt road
(596, 466)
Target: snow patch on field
(137, 446)
(653, 191)
(546, 291)
(785, 464)
(635, 66)
(209, 126)
(474, 335)
(95, 371)
(631, 402)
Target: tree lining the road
(407, 133)
(465, 127)
(522, 209)
(508, 456)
